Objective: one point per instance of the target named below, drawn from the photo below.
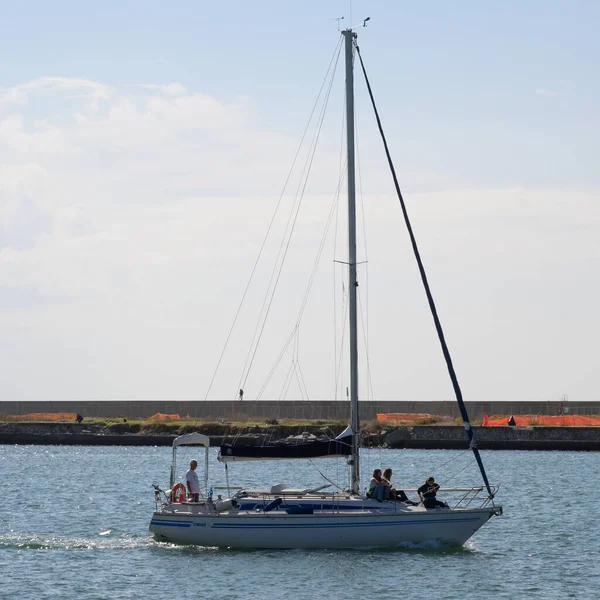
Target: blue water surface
(74, 524)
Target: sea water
(74, 524)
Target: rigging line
(364, 329)
(313, 144)
(308, 163)
(289, 375)
(360, 187)
(249, 415)
(342, 318)
(287, 382)
(296, 362)
(303, 382)
(367, 326)
(364, 231)
(295, 335)
(276, 414)
(296, 326)
(320, 250)
(341, 362)
(453, 459)
(334, 210)
(273, 428)
(325, 476)
(334, 328)
(299, 382)
(434, 314)
(307, 292)
(458, 472)
(335, 235)
(292, 229)
(296, 344)
(334, 206)
(299, 374)
(273, 369)
(319, 254)
(336, 52)
(342, 162)
(279, 260)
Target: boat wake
(191, 549)
(41, 542)
(430, 547)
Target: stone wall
(419, 436)
(316, 409)
(497, 438)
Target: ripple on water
(70, 545)
(34, 542)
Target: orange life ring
(178, 493)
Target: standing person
(378, 488)
(427, 494)
(191, 480)
(395, 494)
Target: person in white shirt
(193, 485)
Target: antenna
(364, 24)
(338, 19)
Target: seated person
(378, 488)
(427, 494)
(395, 494)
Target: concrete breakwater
(158, 434)
(418, 436)
(496, 438)
(290, 409)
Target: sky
(144, 147)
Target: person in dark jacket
(427, 494)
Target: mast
(350, 36)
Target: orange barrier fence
(164, 417)
(43, 417)
(543, 420)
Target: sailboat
(287, 517)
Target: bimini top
(192, 439)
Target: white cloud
(129, 229)
(71, 88)
(33, 139)
(547, 93)
(172, 89)
(16, 182)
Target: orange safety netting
(544, 420)
(44, 417)
(164, 417)
(398, 417)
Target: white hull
(449, 527)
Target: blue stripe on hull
(170, 524)
(332, 507)
(309, 525)
(177, 523)
(328, 525)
